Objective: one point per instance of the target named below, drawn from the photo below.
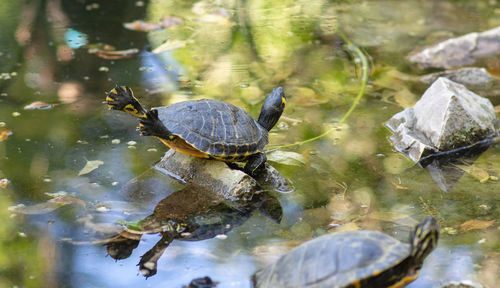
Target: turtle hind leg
(151, 125)
(122, 98)
(255, 163)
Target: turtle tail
(122, 98)
(423, 240)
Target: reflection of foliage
(238, 46)
(20, 261)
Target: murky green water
(235, 51)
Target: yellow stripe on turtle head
(283, 100)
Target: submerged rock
(448, 116)
(471, 77)
(461, 51)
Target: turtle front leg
(122, 98)
(255, 163)
(151, 125)
(149, 261)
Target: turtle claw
(143, 130)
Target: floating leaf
(497, 109)
(169, 46)
(90, 166)
(286, 158)
(476, 224)
(64, 200)
(113, 55)
(476, 172)
(143, 26)
(4, 134)
(41, 208)
(39, 105)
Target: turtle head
(122, 98)
(272, 108)
(423, 240)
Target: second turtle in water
(206, 128)
(352, 259)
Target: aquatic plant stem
(364, 80)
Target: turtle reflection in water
(206, 128)
(352, 259)
(188, 215)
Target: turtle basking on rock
(206, 128)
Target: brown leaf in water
(497, 109)
(64, 200)
(4, 134)
(143, 26)
(476, 224)
(39, 105)
(113, 55)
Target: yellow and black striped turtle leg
(122, 98)
(151, 125)
(255, 163)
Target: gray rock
(462, 284)
(471, 77)
(461, 51)
(232, 184)
(448, 116)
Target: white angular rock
(448, 116)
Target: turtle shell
(342, 259)
(216, 128)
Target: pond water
(237, 51)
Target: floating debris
(90, 166)
(4, 134)
(115, 141)
(143, 26)
(5, 76)
(56, 194)
(221, 237)
(103, 69)
(114, 55)
(102, 209)
(476, 225)
(4, 183)
(16, 114)
(286, 158)
(39, 105)
(131, 143)
(169, 46)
